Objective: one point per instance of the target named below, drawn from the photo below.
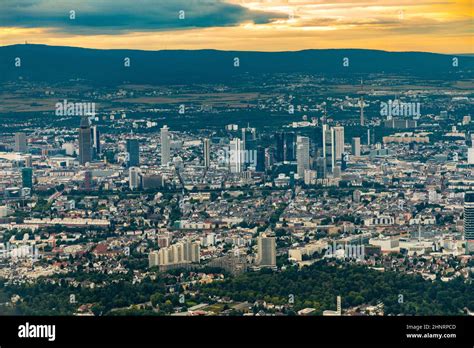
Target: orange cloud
(433, 25)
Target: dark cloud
(119, 16)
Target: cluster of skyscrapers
(323, 155)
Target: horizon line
(219, 50)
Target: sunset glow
(425, 25)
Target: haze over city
(163, 160)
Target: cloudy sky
(261, 25)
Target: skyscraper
(356, 146)
(333, 146)
(206, 148)
(338, 142)
(134, 178)
(290, 147)
(269, 158)
(266, 254)
(85, 141)
(260, 159)
(95, 134)
(469, 221)
(27, 177)
(302, 155)
(280, 146)
(133, 153)
(235, 155)
(328, 148)
(249, 146)
(285, 146)
(370, 137)
(321, 168)
(249, 138)
(165, 146)
(21, 144)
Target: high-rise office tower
(85, 141)
(249, 145)
(235, 156)
(21, 144)
(134, 178)
(266, 254)
(302, 155)
(338, 142)
(321, 168)
(285, 147)
(356, 146)
(27, 177)
(133, 153)
(260, 159)
(269, 157)
(249, 138)
(206, 151)
(469, 221)
(95, 134)
(370, 137)
(280, 146)
(165, 146)
(328, 148)
(290, 147)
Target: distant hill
(106, 67)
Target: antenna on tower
(361, 102)
(325, 114)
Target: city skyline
(238, 159)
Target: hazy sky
(262, 25)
